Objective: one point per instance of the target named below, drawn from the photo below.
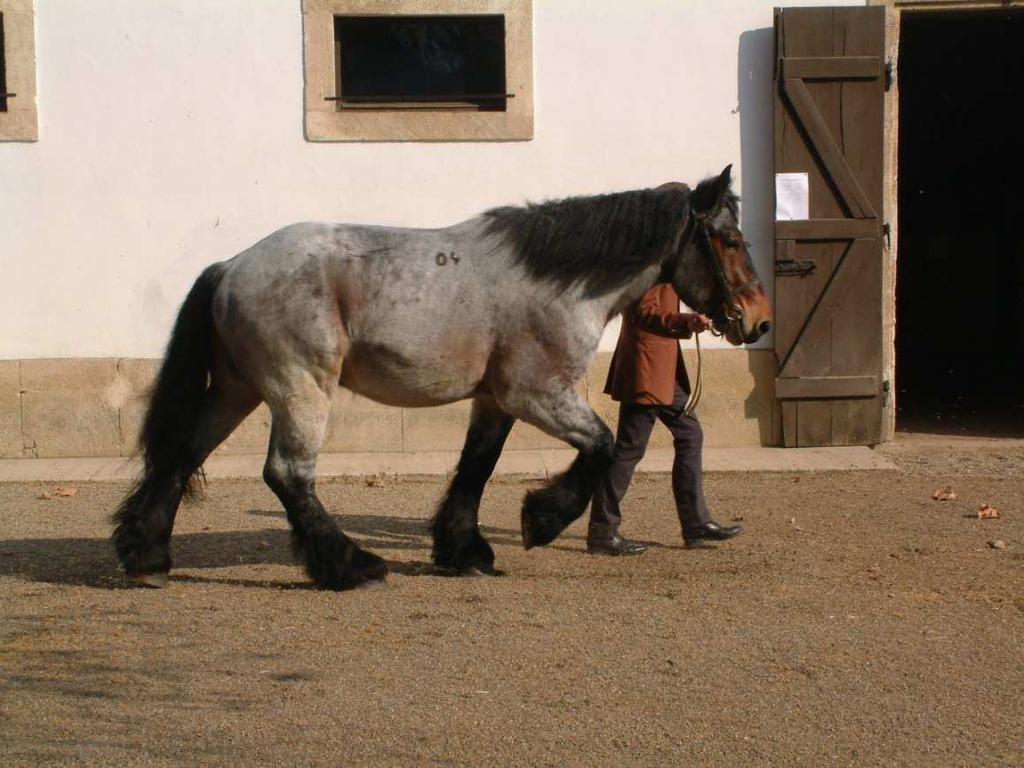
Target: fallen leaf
(997, 544)
(44, 496)
(987, 512)
(944, 494)
(68, 491)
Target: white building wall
(171, 136)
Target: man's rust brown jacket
(647, 362)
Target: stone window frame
(20, 121)
(324, 121)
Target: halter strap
(733, 311)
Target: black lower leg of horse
(143, 527)
(332, 559)
(549, 510)
(458, 544)
(145, 518)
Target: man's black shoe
(710, 531)
(614, 545)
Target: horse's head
(712, 271)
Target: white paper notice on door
(791, 197)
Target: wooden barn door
(830, 80)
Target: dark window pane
(419, 58)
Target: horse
(505, 309)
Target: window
(430, 62)
(17, 72)
(380, 71)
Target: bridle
(732, 311)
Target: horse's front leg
(565, 415)
(459, 546)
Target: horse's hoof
(152, 580)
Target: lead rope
(691, 402)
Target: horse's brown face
(715, 274)
(746, 315)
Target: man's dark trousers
(634, 431)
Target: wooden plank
(863, 104)
(790, 412)
(832, 67)
(826, 387)
(828, 151)
(827, 229)
(840, 295)
(813, 422)
(809, 351)
(792, 302)
(857, 319)
(857, 345)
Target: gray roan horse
(506, 308)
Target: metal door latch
(795, 267)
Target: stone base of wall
(93, 407)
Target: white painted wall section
(170, 136)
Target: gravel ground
(856, 622)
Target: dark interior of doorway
(960, 280)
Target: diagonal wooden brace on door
(855, 259)
(807, 114)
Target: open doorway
(960, 279)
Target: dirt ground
(857, 622)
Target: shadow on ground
(91, 561)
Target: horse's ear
(711, 193)
(724, 180)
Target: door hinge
(890, 74)
(887, 231)
(885, 393)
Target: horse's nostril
(764, 327)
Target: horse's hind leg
(145, 518)
(562, 414)
(332, 559)
(458, 544)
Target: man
(648, 379)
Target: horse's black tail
(167, 439)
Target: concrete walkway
(527, 464)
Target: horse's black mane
(600, 241)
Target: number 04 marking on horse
(535, 296)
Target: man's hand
(693, 322)
(698, 322)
